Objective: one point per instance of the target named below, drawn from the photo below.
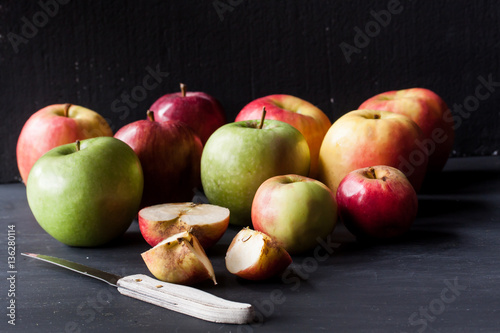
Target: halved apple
(253, 255)
(180, 259)
(207, 222)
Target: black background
(91, 53)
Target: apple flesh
(253, 255)
(179, 259)
(53, 126)
(426, 109)
(302, 115)
(200, 111)
(240, 156)
(170, 154)
(295, 210)
(363, 138)
(377, 202)
(207, 222)
(86, 193)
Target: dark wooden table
(443, 277)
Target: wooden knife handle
(187, 300)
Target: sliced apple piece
(207, 222)
(180, 259)
(253, 255)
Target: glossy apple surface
(429, 111)
(295, 210)
(253, 255)
(363, 138)
(53, 126)
(377, 202)
(87, 196)
(240, 156)
(302, 115)
(179, 259)
(170, 154)
(200, 111)
(206, 222)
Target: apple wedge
(253, 255)
(179, 259)
(207, 222)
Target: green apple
(240, 156)
(296, 211)
(86, 193)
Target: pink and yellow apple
(53, 126)
(253, 255)
(377, 202)
(363, 138)
(304, 116)
(295, 210)
(429, 111)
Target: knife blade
(183, 299)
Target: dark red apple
(200, 111)
(377, 202)
(170, 154)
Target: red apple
(170, 154)
(53, 126)
(200, 111)
(207, 222)
(307, 118)
(429, 111)
(377, 202)
(363, 138)
(253, 255)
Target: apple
(170, 154)
(180, 259)
(429, 111)
(200, 111)
(206, 222)
(240, 156)
(295, 210)
(53, 126)
(362, 138)
(253, 255)
(86, 193)
(377, 202)
(302, 115)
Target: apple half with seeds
(179, 259)
(253, 255)
(207, 222)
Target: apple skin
(50, 127)
(170, 154)
(271, 259)
(200, 111)
(87, 197)
(377, 202)
(239, 157)
(362, 138)
(179, 259)
(429, 111)
(302, 115)
(295, 210)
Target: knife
(187, 300)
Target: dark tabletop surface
(444, 276)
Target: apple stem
(77, 145)
(372, 173)
(151, 115)
(183, 89)
(66, 109)
(262, 118)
